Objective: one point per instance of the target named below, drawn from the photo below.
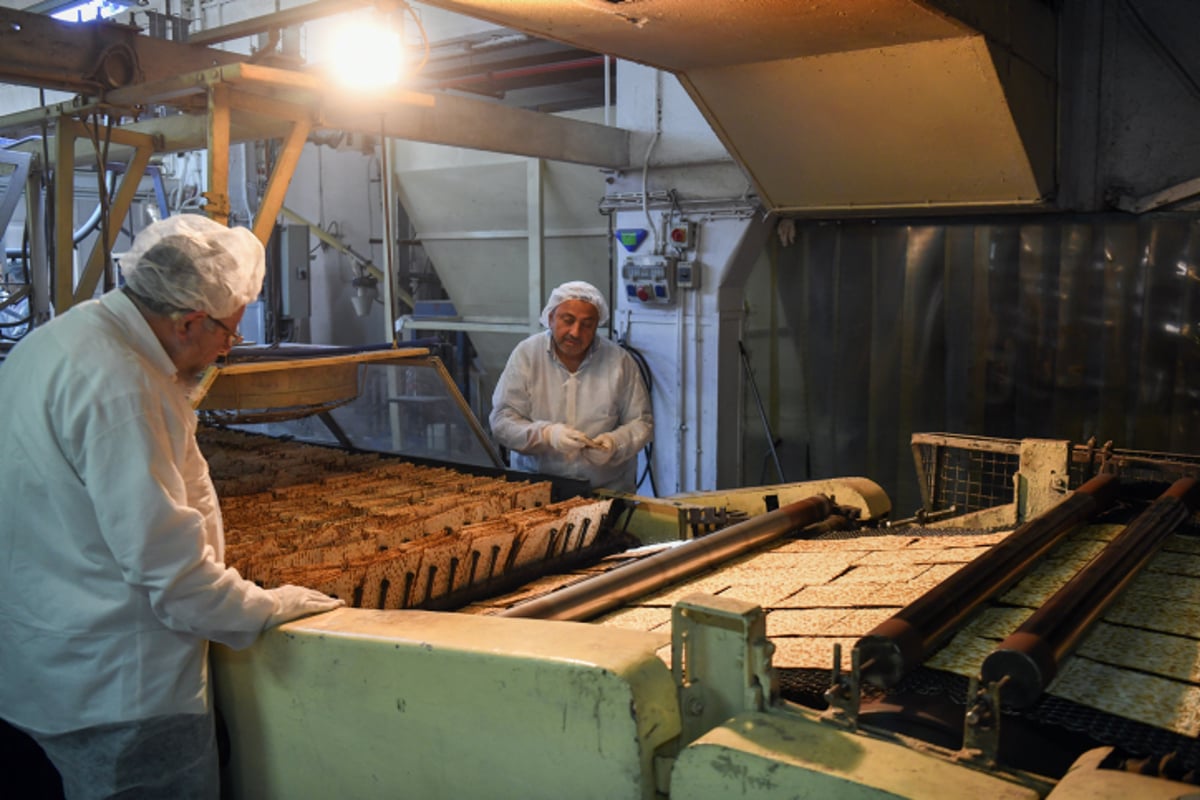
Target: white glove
(602, 450)
(565, 439)
(293, 602)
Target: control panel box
(683, 235)
(687, 275)
(649, 279)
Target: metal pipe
(1029, 657)
(595, 596)
(903, 642)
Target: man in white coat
(112, 573)
(569, 403)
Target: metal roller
(905, 640)
(595, 596)
(1028, 659)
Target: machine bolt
(695, 706)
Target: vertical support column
(217, 195)
(64, 213)
(39, 265)
(388, 199)
(537, 239)
(388, 193)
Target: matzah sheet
(1161, 654)
(810, 652)
(1155, 701)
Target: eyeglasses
(235, 338)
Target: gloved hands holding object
(293, 602)
(601, 450)
(565, 439)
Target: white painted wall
(691, 344)
(339, 190)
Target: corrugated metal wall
(862, 333)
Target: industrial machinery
(1027, 634)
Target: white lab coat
(605, 395)
(111, 547)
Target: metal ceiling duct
(849, 105)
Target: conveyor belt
(1122, 686)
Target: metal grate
(964, 473)
(971, 473)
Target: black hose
(648, 381)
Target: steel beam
(437, 119)
(285, 18)
(480, 125)
(37, 50)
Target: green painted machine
(534, 702)
(360, 703)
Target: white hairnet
(575, 290)
(190, 262)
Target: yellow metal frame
(68, 131)
(239, 102)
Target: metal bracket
(981, 724)
(708, 519)
(1041, 480)
(721, 661)
(844, 694)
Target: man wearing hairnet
(112, 573)
(569, 403)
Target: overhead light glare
(90, 10)
(364, 56)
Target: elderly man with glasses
(112, 573)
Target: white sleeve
(636, 422)
(134, 470)
(511, 419)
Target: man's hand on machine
(293, 602)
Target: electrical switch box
(682, 235)
(649, 279)
(687, 275)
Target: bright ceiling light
(85, 11)
(364, 54)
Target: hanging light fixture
(366, 292)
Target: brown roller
(905, 640)
(595, 596)
(1030, 656)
